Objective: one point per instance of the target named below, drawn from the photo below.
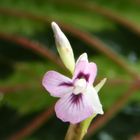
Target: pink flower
(78, 98)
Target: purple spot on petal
(75, 99)
(83, 75)
(66, 84)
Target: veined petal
(57, 84)
(74, 108)
(84, 69)
(93, 98)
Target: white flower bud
(64, 48)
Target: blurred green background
(108, 30)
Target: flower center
(79, 86)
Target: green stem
(78, 131)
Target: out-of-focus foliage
(22, 68)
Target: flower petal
(93, 72)
(93, 98)
(74, 108)
(82, 57)
(84, 69)
(57, 84)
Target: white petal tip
(55, 28)
(101, 112)
(54, 25)
(83, 57)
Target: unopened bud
(64, 48)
